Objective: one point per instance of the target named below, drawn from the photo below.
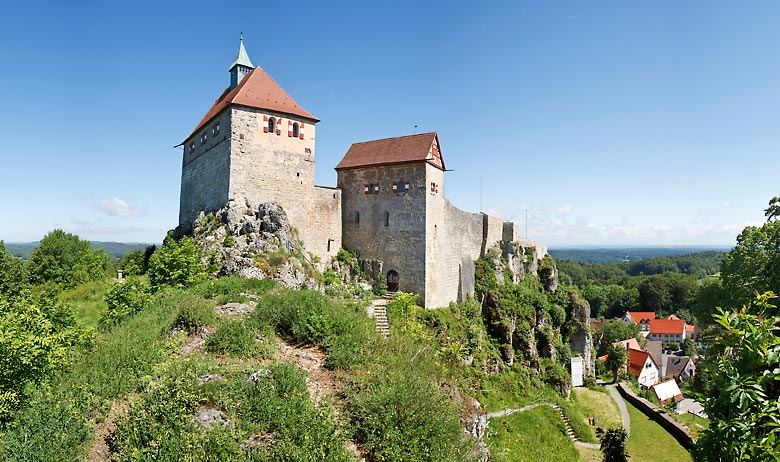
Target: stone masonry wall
(398, 238)
(205, 171)
(266, 167)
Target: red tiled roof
(667, 326)
(256, 90)
(628, 344)
(689, 328)
(640, 316)
(403, 149)
(637, 360)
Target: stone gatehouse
(257, 143)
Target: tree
(753, 265)
(64, 259)
(742, 397)
(177, 264)
(773, 211)
(613, 445)
(615, 330)
(12, 277)
(689, 347)
(616, 359)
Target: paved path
(621, 406)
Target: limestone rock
(208, 418)
(254, 241)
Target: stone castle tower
(257, 144)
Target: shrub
(194, 313)
(234, 338)
(176, 264)
(309, 317)
(124, 299)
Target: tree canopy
(64, 259)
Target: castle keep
(257, 144)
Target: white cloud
(565, 210)
(119, 208)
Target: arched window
(387, 218)
(295, 130)
(357, 217)
(271, 125)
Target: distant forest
(115, 249)
(614, 255)
(665, 285)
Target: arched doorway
(392, 281)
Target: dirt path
(99, 451)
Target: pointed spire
(242, 58)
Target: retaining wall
(679, 431)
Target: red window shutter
(265, 124)
(301, 131)
(289, 128)
(279, 127)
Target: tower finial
(241, 36)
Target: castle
(258, 144)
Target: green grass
(87, 301)
(535, 435)
(695, 423)
(650, 443)
(599, 404)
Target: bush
(124, 299)
(235, 338)
(194, 313)
(176, 264)
(309, 317)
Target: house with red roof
(642, 366)
(667, 330)
(642, 318)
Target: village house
(680, 367)
(642, 366)
(642, 318)
(667, 331)
(667, 392)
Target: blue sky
(612, 123)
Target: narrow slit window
(387, 218)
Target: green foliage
(616, 359)
(124, 299)
(132, 263)
(12, 275)
(615, 330)
(193, 313)
(773, 211)
(65, 260)
(36, 337)
(403, 416)
(613, 445)
(742, 398)
(237, 338)
(176, 264)
(308, 317)
(509, 441)
(753, 265)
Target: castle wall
(398, 239)
(205, 171)
(492, 231)
(266, 167)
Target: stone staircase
(567, 423)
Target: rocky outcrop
(580, 333)
(253, 241)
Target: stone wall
(205, 171)
(387, 226)
(244, 162)
(679, 431)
